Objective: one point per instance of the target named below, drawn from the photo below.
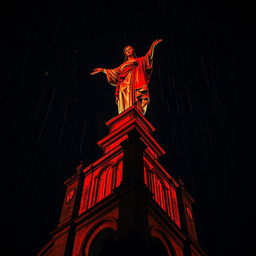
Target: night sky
(53, 112)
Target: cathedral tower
(125, 202)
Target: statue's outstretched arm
(150, 52)
(98, 70)
(111, 74)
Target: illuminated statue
(131, 78)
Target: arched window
(105, 183)
(161, 243)
(103, 243)
(158, 191)
(158, 248)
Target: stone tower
(125, 203)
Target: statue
(131, 78)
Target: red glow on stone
(115, 143)
(85, 194)
(104, 183)
(175, 206)
(164, 193)
(100, 183)
(189, 213)
(119, 173)
(70, 195)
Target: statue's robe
(131, 79)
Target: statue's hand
(96, 71)
(157, 41)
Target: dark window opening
(103, 243)
(158, 247)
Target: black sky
(53, 112)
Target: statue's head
(129, 51)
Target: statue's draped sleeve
(113, 75)
(147, 64)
